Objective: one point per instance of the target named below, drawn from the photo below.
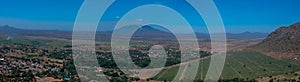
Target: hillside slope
(246, 65)
(284, 43)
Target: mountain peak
(295, 26)
(149, 32)
(148, 27)
(298, 23)
(5, 26)
(153, 29)
(8, 28)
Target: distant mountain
(8, 29)
(283, 43)
(247, 35)
(26, 32)
(147, 32)
(150, 33)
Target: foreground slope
(246, 65)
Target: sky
(238, 15)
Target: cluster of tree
(18, 75)
(61, 54)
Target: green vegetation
(23, 41)
(167, 74)
(239, 66)
(245, 65)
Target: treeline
(106, 60)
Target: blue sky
(238, 15)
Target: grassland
(246, 65)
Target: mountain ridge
(158, 31)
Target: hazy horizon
(70, 30)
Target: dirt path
(184, 63)
(183, 72)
